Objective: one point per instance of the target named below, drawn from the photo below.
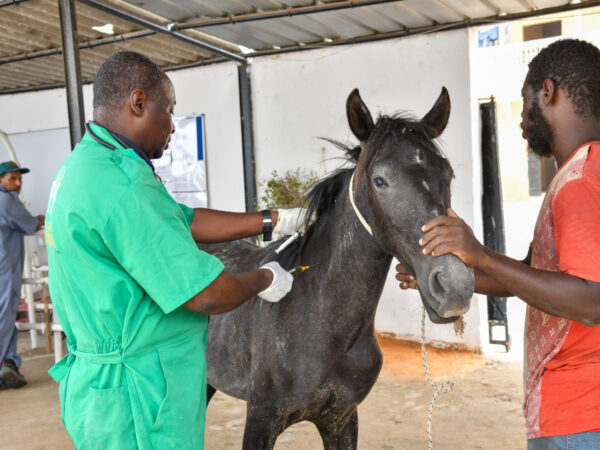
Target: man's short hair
(574, 66)
(120, 75)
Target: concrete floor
(486, 401)
(30, 416)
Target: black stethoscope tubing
(112, 147)
(100, 140)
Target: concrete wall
(300, 97)
(43, 152)
(211, 91)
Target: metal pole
(11, 150)
(493, 217)
(247, 137)
(280, 13)
(68, 28)
(11, 2)
(82, 46)
(160, 29)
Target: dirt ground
(482, 412)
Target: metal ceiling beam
(12, 2)
(279, 13)
(288, 12)
(164, 30)
(68, 29)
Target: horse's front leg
(262, 428)
(340, 436)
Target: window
(542, 30)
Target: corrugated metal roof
(30, 35)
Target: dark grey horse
(314, 355)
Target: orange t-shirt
(569, 383)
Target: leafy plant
(287, 190)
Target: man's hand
(41, 220)
(291, 220)
(229, 290)
(211, 225)
(281, 284)
(450, 234)
(407, 281)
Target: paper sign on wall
(182, 166)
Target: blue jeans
(580, 441)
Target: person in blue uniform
(15, 222)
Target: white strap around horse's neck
(358, 214)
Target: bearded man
(560, 278)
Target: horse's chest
(365, 357)
(352, 374)
(357, 369)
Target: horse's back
(237, 256)
(228, 350)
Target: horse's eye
(379, 182)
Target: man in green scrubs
(130, 288)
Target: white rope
(360, 216)
(446, 386)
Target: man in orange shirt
(560, 278)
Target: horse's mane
(323, 194)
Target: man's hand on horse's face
(407, 281)
(450, 234)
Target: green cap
(11, 166)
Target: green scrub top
(122, 261)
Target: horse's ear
(437, 117)
(359, 117)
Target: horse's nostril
(436, 287)
(450, 286)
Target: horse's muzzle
(450, 285)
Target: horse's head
(402, 181)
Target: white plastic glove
(281, 284)
(291, 220)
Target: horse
(314, 355)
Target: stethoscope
(102, 141)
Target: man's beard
(539, 132)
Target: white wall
(42, 152)
(297, 98)
(37, 127)
(41, 110)
(213, 91)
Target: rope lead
(446, 386)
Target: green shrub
(287, 190)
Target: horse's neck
(353, 268)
